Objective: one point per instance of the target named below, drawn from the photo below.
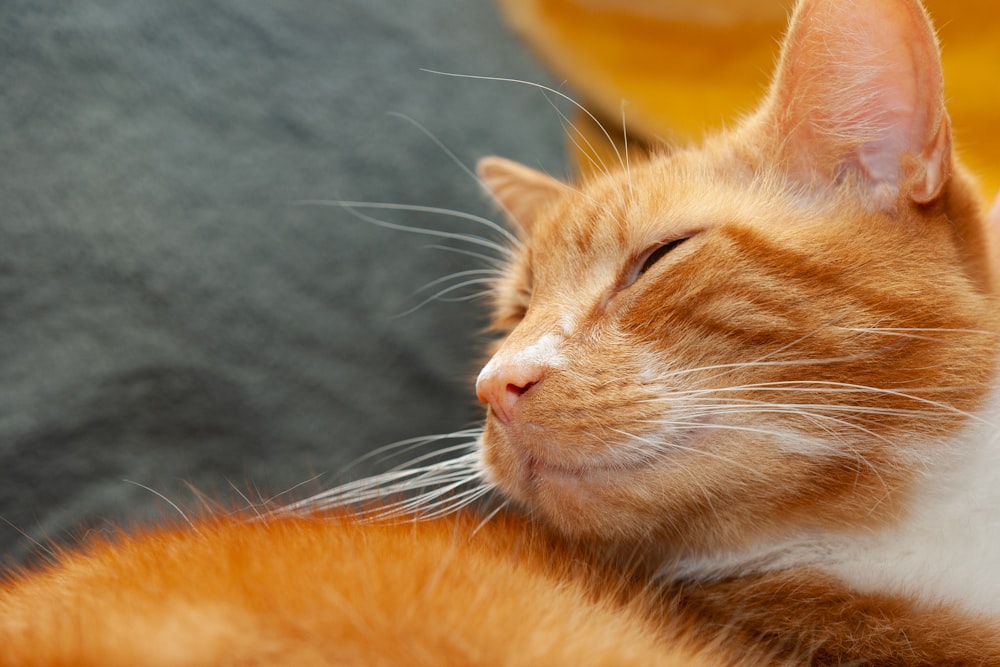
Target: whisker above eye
(495, 262)
(572, 132)
(447, 290)
(505, 233)
(472, 296)
(549, 89)
(459, 274)
(353, 206)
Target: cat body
(753, 384)
(332, 590)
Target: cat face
(770, 332)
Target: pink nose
(501, 385)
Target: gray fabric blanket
(171, 315)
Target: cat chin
(579, 510)
(525, 464)
(600, 501)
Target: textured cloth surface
(171, 314)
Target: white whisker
(50, 553)
(511, 238)
(489, 517)
(267, 501)
(673, 445)
(471, 296)
(570, 129)
(168, 501)
(441, 293)
(352, 206)
(749, 405)
(459, 274)
(435, 482)
(628, 166)
(411, 443)
(245, 499)
(912, 332)
(540, 86)
(489, 259)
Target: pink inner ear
(895, 115)
(860, 85)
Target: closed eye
(655, 255)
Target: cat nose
(501, 385)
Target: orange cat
(770, 363)
(754, 383)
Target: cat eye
(656, 255)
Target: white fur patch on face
(543, 353)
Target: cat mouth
(603, 469)
(596, 471)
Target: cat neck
(944, 549)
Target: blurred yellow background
(687, 67)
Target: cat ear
(519, 190)
(859, 88)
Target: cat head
(778, 329)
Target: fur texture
(332, 591)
